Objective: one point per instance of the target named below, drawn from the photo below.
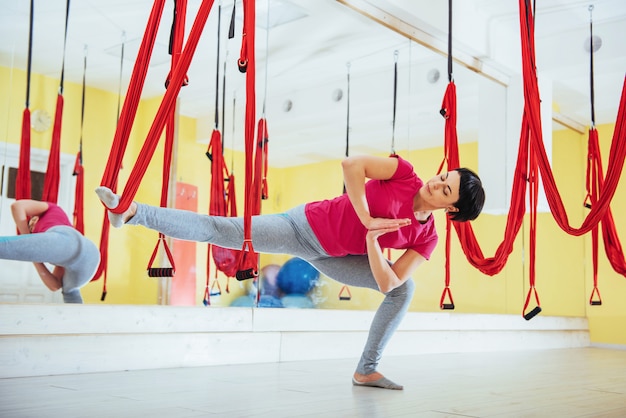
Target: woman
(343, 237)
(47, 236)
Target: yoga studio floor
(587, 382)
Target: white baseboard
(66, 339)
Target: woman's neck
(422, 216)
(420, 210)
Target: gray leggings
(288, 233)
(62, 246)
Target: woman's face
(32, 222)
(442, 191)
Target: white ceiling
(306, 60)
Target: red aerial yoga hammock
(223, 200)
(595, 183)
(249, 260)
(531, 160)
(22, 181)
(104, 236)
(176, 44)
(525, 171)
(79, 169)
(126, 118)
(53, 176)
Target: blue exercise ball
(297, 276)
(268, 301)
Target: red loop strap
(448, 293)
(345, 289)
(248, 262)
(206, 300)
(218, 291)
(595, 302)
(156, 272)
(534, 311)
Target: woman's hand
(389, 225)
(386, 277)
(53, 280)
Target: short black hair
(471, 197)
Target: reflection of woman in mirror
(47, 236)
(343, 237)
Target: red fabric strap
(22, 182)
(167, 104)
(170, 258)
(79, 199)
(344, 293)
(131, 103)
(225, 259)
(53, 176)
(248, 259)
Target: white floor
(579, 382)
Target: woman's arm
(389, 277)
(21, 211)
(355, 172)
(25, 208)
(54, 280)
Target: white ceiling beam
(382, 13)
(568, 122)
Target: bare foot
(111, 201)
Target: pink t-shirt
(340, 232)
(54, 216)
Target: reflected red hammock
(53, 176)
(221, 204)
(248, 260)
(79, 196)
(22, 180)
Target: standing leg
(386, 321)
(81, 269)
(355, 271)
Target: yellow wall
(563, 273)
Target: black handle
(447, 306)
(246, 274)
(530, 315)
(160, 272)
